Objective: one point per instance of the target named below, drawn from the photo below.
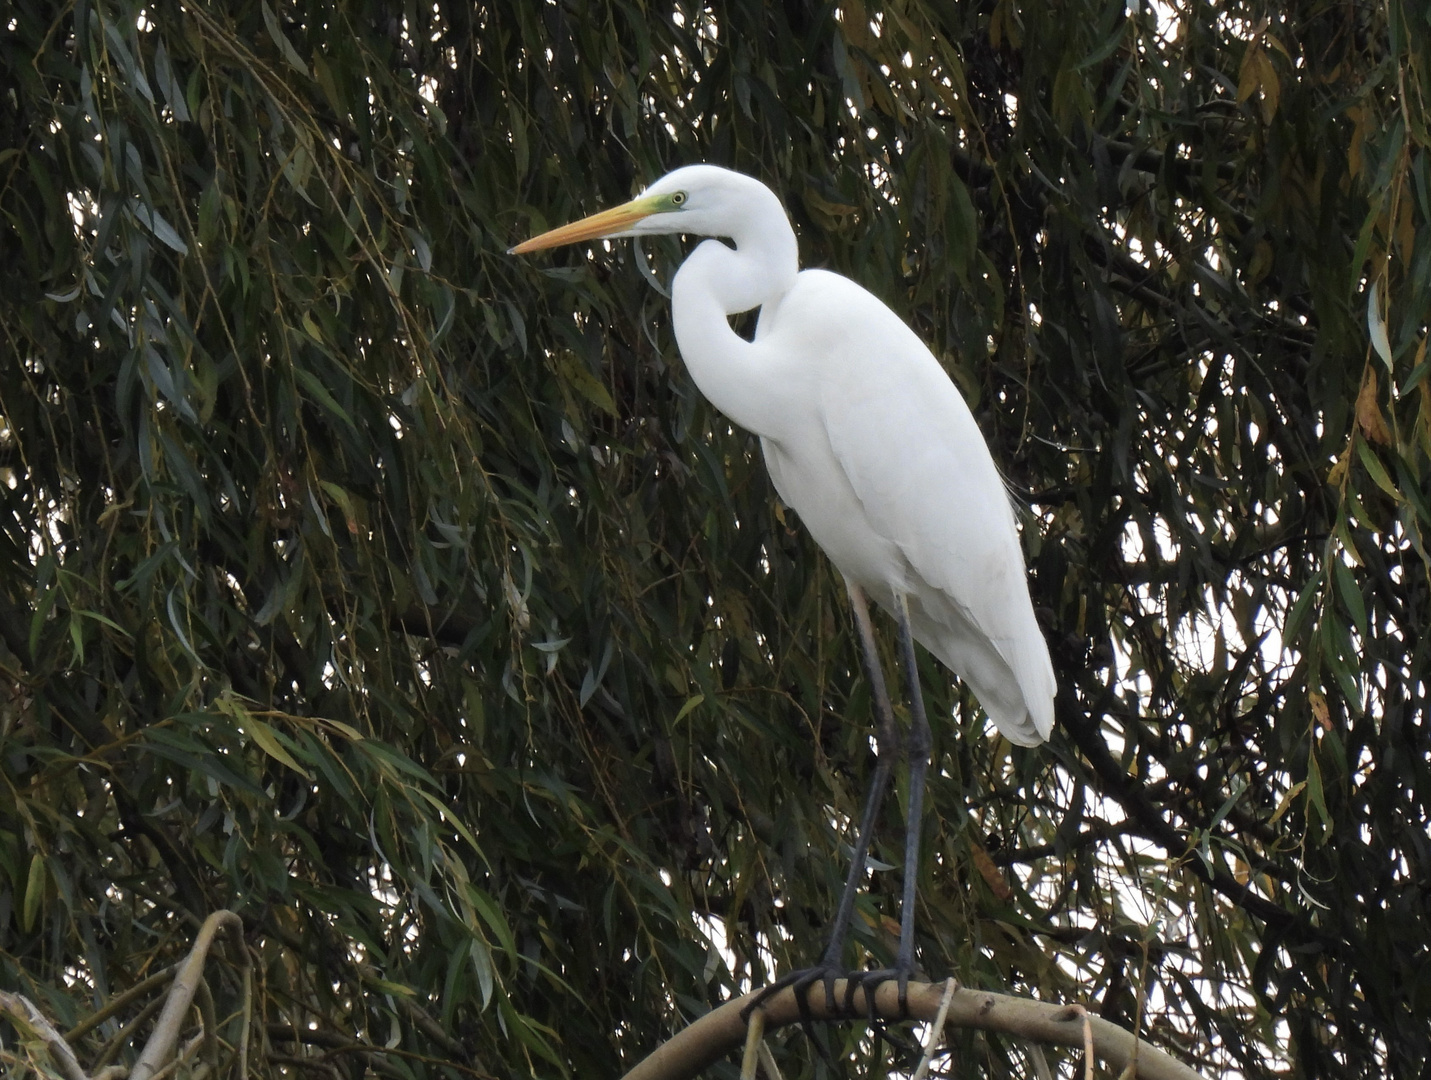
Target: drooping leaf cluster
(406, 598)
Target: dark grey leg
(918, 747)
(888, 746)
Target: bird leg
(888, 746)
(917, 746)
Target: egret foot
(870, 981)
(804, 981)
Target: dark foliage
(406, 597)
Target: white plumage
(865, 436)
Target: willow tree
(406, 599)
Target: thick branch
(722, 1030)
(23, 1010)
(181, 995)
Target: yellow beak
(617, 219)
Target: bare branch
(25, 1012)
(721, 1030)
(181, 995)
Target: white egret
(868, 440)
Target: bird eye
(678, 198)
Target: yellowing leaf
(1338, 471)
(345, 503)
(830, 212)
(1360, 116)
(347, 731)
(386, 986)
(1262, 260)
(1368, 412)
(1269, 84)
(1405, 229)
(259, 732)
(690, 704)
(1315, 794)
(989, 872)
(262, 734)
(1286, 801)
(1247, 77)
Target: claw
(801, 981)
(804, 980)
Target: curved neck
(718, 281)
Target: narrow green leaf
(1351, 595)
(267, 740)
(183, 750)
(452, 819)
(480, 953)
(690, 704)
(576, 375)
(169, 85)
(1297, 617)
(34, 893)
(320, 393)
(1376, 470)
(285, 46)
(1315, 796)
(157, 224)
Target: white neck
(716, 282)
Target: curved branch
(181, 995)
(722, 1030)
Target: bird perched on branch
(868, 440)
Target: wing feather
(920, 468)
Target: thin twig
(119, 1003)
(767, 1062)
(755, 1029)
(936, 1030)
(188, 1051)
(121, 1038)
(210, 1024)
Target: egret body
(868, 440)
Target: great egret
(869, 441)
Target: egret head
(704, 200)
